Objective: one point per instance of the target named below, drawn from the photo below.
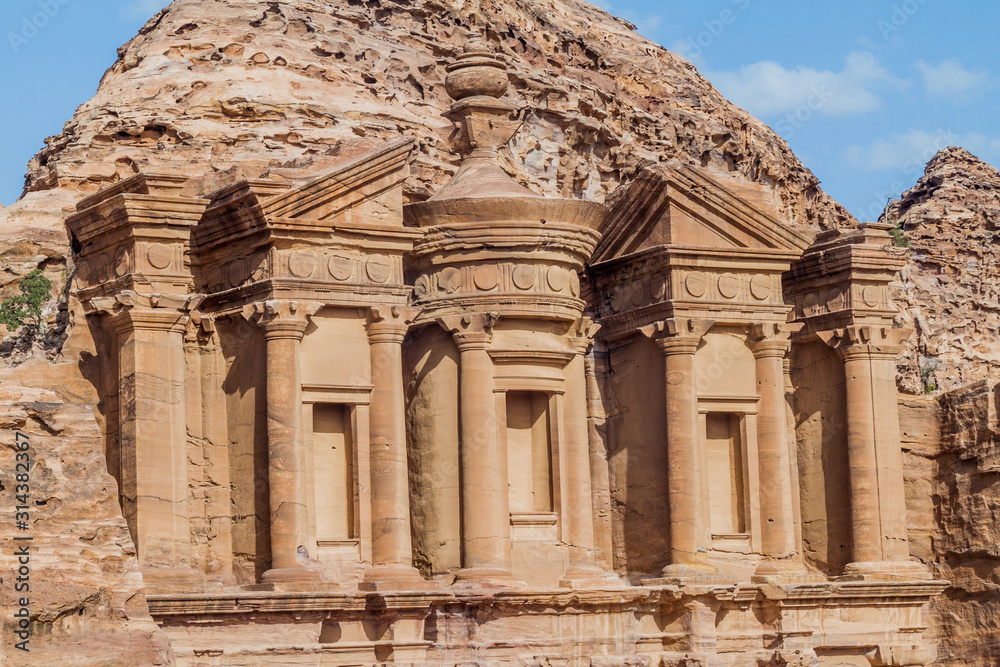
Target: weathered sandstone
(86, 594)
(949, 290)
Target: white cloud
(951, 80)
(766, 87)
(911, 150)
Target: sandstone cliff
(82, 584)
(233, 88)
(949, 293)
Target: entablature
(844, 281)
(135, 236)
(732, 286)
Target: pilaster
(679, 340)
(577, 491)
(770, 345)
(284, 324)
(153, 432)
(875, 459)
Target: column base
(221, 582)
(486, 577)
(784, 571)
(292, 579)
(689, 574)
(396, 578)
(163, 579)
(588, 576)
(889, 570)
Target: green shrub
(26, 308)
(899, 237)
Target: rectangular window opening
(727, 496)
(529, 452)
(333, 470)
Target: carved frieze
(837, 298)
(507, 278)
(649, 284)
(135, 235)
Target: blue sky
(52, 56)
(865, 91)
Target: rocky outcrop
(949, 291)
(77, 570)
(233, 88)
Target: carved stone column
(770, 347)
(285, 324)
(679, 340)
(875, 459)
(577, 495)
(486, 538)
(392, 551)
(152, 418)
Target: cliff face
(287, 87)
(76, 564)
(966, 501)
(950, 293)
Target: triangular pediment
(678, 205)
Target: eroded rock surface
(290, 86)
(949, 293)
(85, 592)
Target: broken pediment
(364, 191)
(677, 205)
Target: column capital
(389, 324)
(471, 331)
(769, 340)
(581, 334)
(131, 311)
(678, 336)
(867, 341)
(282, 318)
(201, 327)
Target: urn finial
(477, 72)
(484, 119)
